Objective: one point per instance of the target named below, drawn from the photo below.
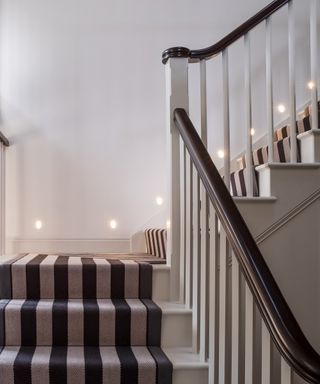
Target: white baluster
(183, 207)
(223, 293)
(235, 321)
(249, 324)
(196, 260)
(177, 97)
(248, 102)
(292, 83)
(314, 62)
(204, 222)
(226, 116)
(269, 88)
(189, 237)
(213, 298)
(265, 355)
(286, 372)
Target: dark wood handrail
(4, 140)
(205, 53)
(284, 329)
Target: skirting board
(68, 245)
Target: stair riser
(176, 330)
(161, 283)
(190, 376)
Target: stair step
(35, 277)
(75, 322)
(187, 366)
(84, 365)
(176, 329)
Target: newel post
(176, 97)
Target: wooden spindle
(314, 62)
(235, 329)
(248, 125)
(292, 83)
(223, 292)
(269, 89)
(226, 117)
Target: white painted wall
(82, 101)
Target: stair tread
(81, 322)
(184, 358)
(42, 276)
(92, 365)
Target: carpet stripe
(89, 279)
(93, 366)
(58, 366)
(103, 278)
(47, 277)
(13, 322)
(29, 323)
(75, 322)
(91, 323)
(19, 277)
(147, 368)
(75, 269)
(129, 365)
(75, 366)
(107, 315)
(22, 366)
(59, 321)
(33, 277)
(138, 324)
(123, 322)
(61, 289)
(40, 365)
(154, 323)
(110, 365)
(44, 322)
(117, 279)
(164, 366)
(3, 326)
(145, 281)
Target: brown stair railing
(276, 314)
(217, 269)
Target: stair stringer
(286, 225)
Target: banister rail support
(176, 97)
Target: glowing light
(281, 108)
(38, 224)
(221, 154)
(252, 131)
(311, 85)
(168, 224)
(113, 224)
(159, 200)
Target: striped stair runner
(281, 150)
(79, 320)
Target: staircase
(80, 320)
(213, 304)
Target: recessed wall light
(220, 154)
(159, 200)
(38, 224)
(281, 108)
(311, 85)
(252, 131)
(113, 224)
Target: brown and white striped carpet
(79, 320)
